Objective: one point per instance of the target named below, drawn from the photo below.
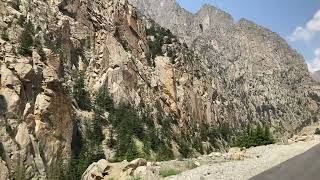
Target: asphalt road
(305, 166)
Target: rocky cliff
(69, 63)
(256, 75)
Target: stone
(147, 172)
(95, 170)
(4, 173)
(215, 154)
(136, 163)
(290, 141)
(225, 70)
(197, 163)
(302, 138)
(236, 154)
(22, 137)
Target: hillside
(88, 80)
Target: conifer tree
(26, 40)
(80, 93)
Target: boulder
(215, 154)
(136, 163)
(236, 154)
(290, 141)
(147, 172)
(96, 170)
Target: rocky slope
(58, 57)
(238, 163)
(256, 76)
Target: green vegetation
(103, 101)
(184, 148)
(15, 4)
(130, 128)
(4, 35)
(136, 178)
(168, 172)
(161, 37)
(81, 95)
(317, 131)
(255, 137)
(20, 172)
(26, 40)
(21, 20)
(91, 150)
(57, 170)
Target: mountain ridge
(238, 49)
(83, 80)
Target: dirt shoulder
(256, 160)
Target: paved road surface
(305, 166)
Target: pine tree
(132, 152)
(26, 40)
(104, 101)
(81, 95)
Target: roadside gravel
(258, 159)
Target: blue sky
(298, 21)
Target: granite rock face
(257, 77)
(232, 74)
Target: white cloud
(301, 33)
(314, 23)
(307, 33)
(314, 64)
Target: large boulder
(121, 171)
(236, 154)
(96, 170)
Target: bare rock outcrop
(227, 75)
(255, 75)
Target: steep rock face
(104, 40)
(36, 115)
(257, 76)
(231, 81)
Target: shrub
(26, 40)
(103, 100)
(159, 34)
(317, 131)
(184, 149)
(168, 172)
(80, 93)
(4, 35)
(20, 172)
(255, 137)
(21, 20)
